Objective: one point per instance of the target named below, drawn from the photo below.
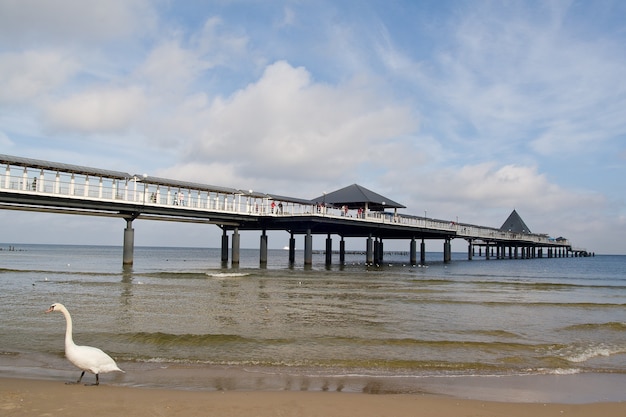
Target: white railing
(133, 191)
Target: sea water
(181, 310)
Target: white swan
(86, 358)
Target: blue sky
(465, 109)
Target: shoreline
(28, 397)
(578, 388)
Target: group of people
(277, 208)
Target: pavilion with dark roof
(357, 197)
(514, 223)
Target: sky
(463, 110)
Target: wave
(227, 274)
(512, 283)
(613, 325)
(63, 272)
(161, 339)
(581, 354)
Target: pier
(352, 212)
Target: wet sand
(34, 397)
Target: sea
(541, 329)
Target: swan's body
(86, 358)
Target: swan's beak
(50, 310)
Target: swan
(86, 358)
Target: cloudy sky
(463, 109)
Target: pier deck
(44, 186)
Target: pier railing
(136, 190)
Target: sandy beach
(31, 397)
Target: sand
(32, 397)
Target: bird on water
(87, 358)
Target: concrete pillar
(369, 251)
(263, 249)
(376, 256)
(329, 250)
(224, 246)
(235, 243)
(487, 249)
(447, 251)
(308, 248)
(129, 243)
(422, 253)
(413, 252)
(470, 250)
(292, 249)
(342, 251)
(381, 252)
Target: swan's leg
(79, 379)
(97, 381)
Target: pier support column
(447, 251)
(342, 251)
(376, 249)
(263, 249)
(329, 250)
(470, 250)
(235, 243)
(487, 249)
(129, 243)
(308, 248)
(224, 247)
(422, 253)
(369, 251)
(381, 252)
(292, 250)
(413, 252)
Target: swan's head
(55, 307)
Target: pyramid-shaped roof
(514, 223)
(355, 196)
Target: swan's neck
(68, 328)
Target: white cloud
(30, 74)
(288, 18)
(96, 111)
(286, 124)
(508, 186)
(513, 77)
(73, 21)
(169, 68)
(5, 141)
